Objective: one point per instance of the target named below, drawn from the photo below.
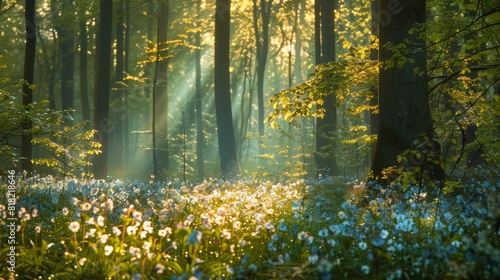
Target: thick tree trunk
(326, 126)
(403, 99)
(225, 130)
(29, 74)
(101, 93)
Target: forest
(250, 139)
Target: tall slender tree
(66, 38)
(29, 74)
(225, 129)
(102, 82)
(118, 102)
(84, 90)
(160, 104)
(200, 138)
(261, 25)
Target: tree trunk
(161, 103)
(66, 47)
(126, 123)
(317, 31)
(29, 73)
(403, 98)
(117, 108)
(84, 91)
(225, 130)
(200, 138)
(101, 93)
(263, 8)
(326, 126)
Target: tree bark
(84, 91)
(29, 74)
(403, 98)
(102, 83)
(326, 126)
(66, 47)
(225, 130)
(200, 138)
(161, 104)
(262, 8)
(118, 104)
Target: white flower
(38, 229)
(65, 211)
(302, 235)
(116, 231)
(100, 221)
(131, 230)
(86, 206)
(74, 226)
(159, 268)
(219, 220)
(269, 226)
(221, 211)
(91, 233)
(146, 246)
(82, 261)
(147, 226)
(108, 250)
(104, 238)
(134, 250)
(236, 225)
(74, 201)
(341, 214)
(137, 215)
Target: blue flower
(195, 237)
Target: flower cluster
(251, 228)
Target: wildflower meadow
(248, 228)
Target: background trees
(271, 51)
(102, 85)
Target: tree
(261, 31)
(225, 130)
(101, 93)
(84, 91)
(160, 93)
(405, 120)
(118, 100)
(29, 74)
(198, 96)
(66, 40)
(325, 127)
